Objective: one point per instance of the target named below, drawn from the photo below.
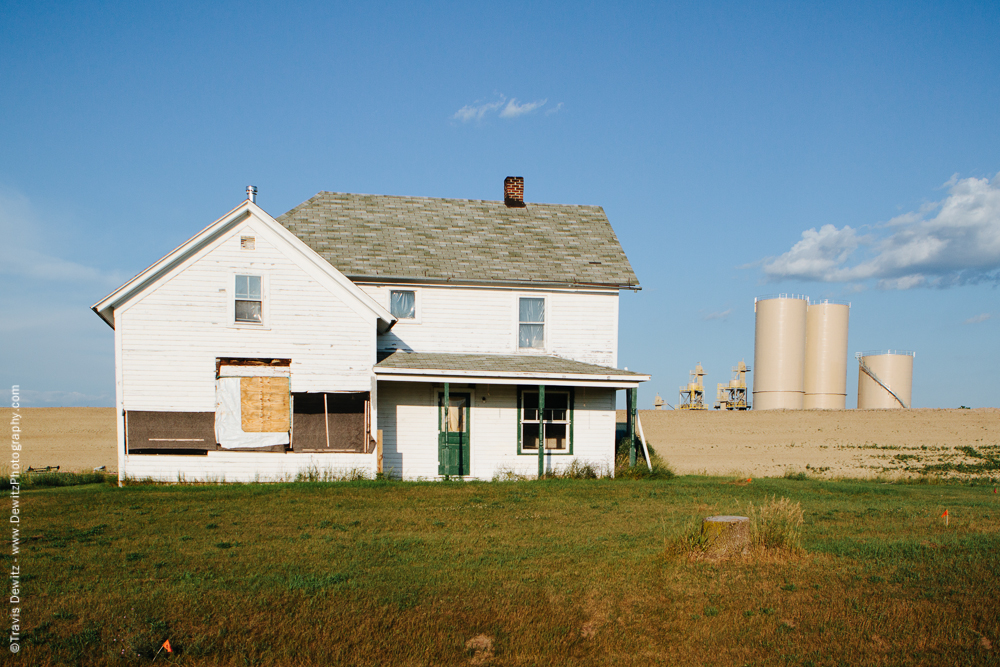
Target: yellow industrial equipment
(693, 395)
(733, 396)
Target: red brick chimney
(513, 191)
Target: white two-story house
(416, 337)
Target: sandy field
(848, 443)
(75, 439)
(820, 443)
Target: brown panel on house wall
(347, 431)
(168, 452)
(272, 448)
(345, 413)
(169, 430)
(264, 404)
(345, 419)
(308, 422)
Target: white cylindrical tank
(894, 369)
(825, 377)
(779, 352)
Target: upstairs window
(248, 299)
(531, 323)
(403, 304)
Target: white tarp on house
(229, 431)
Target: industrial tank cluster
(800, 354)
(800, 359)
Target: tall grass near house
(315, 474)
(581, 469)
(656, 468)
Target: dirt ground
(848, 443)
(821, 443)
(75, 439)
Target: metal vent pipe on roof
(252, 193)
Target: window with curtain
(248, 299)
(403, 304)
(531, 323)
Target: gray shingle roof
(462, 240)
(496, 363)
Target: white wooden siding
(407, 415)
(248, 466)
(171, 336)
(580, 325)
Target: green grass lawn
(550, 572)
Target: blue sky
(845, 151)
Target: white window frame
(522, 449)
(265, 315)
(416, 319)
(545, 325)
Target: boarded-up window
(336, 422)
(169, 431)
(264, 404)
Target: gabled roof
(380, 237)
(176, 258)
(501, 369)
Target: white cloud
(979, 318)
(21, 258)
(513, 109)
(504, 108)
(952, 242)
(29, 263)
(723, 315)
(817, 256)
(554, 109)
(477, 110)
(27, 319)
(35, 398)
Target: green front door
(453, 435)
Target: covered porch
(484, 416)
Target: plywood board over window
(264, 404)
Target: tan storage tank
(885, 379)
(779, 352)
(825, 378)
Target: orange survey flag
(945, 513)
(166, 645)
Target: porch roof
(502, 369)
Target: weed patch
(39, 480)
(776, 524)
